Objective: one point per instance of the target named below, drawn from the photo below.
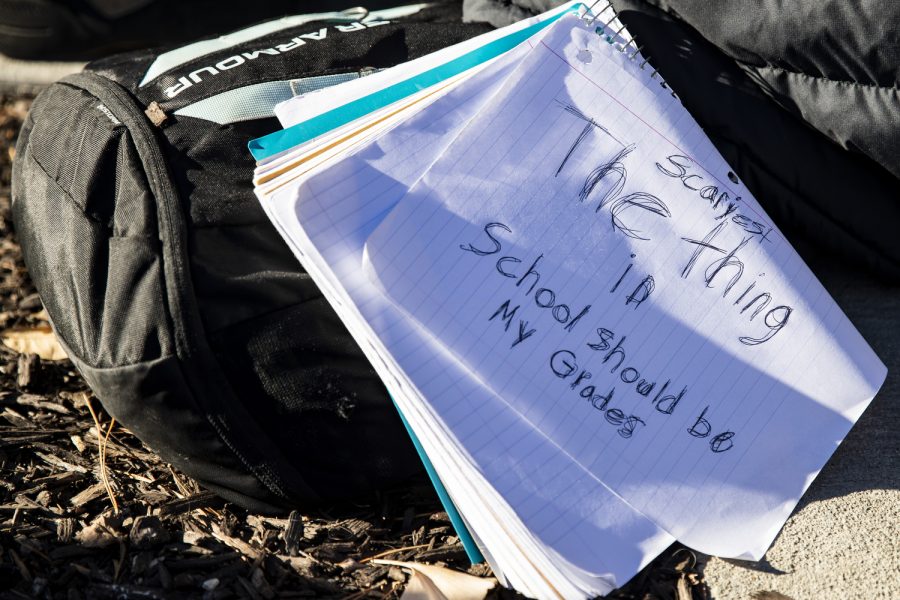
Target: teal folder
(285, 139)
(456, 519)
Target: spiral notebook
(597, 335)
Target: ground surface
(61, 537)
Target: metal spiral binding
(605, 31)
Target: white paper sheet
(735, 375)
(300, 109)
(334, 212)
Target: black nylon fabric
(176, 298)
(323, 389)
(239, 268)
(107, 295)
(98, 221)
(314, 48)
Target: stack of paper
(596, 334)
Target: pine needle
(103, 440)
(392, 551)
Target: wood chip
(58, 462)
(88, 494)
(192, 502)
(36, 401)
(233, 542)
(28, 363)
(23, 569)
(77, 442)
(293, 534)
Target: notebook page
(330, 107)
(337, 210)
(309, 106)
(582, 248)
(338, 104)
(310, 156)
(462, 57)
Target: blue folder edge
(462, 532)
(285, 139)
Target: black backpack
(173, 294)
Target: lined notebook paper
(596, 333)
(331, 215)
(581, 247)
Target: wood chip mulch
(87, 511)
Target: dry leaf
(102, 532)
(421, 587)
(38, 340)
(429, 582)
(683, 589)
